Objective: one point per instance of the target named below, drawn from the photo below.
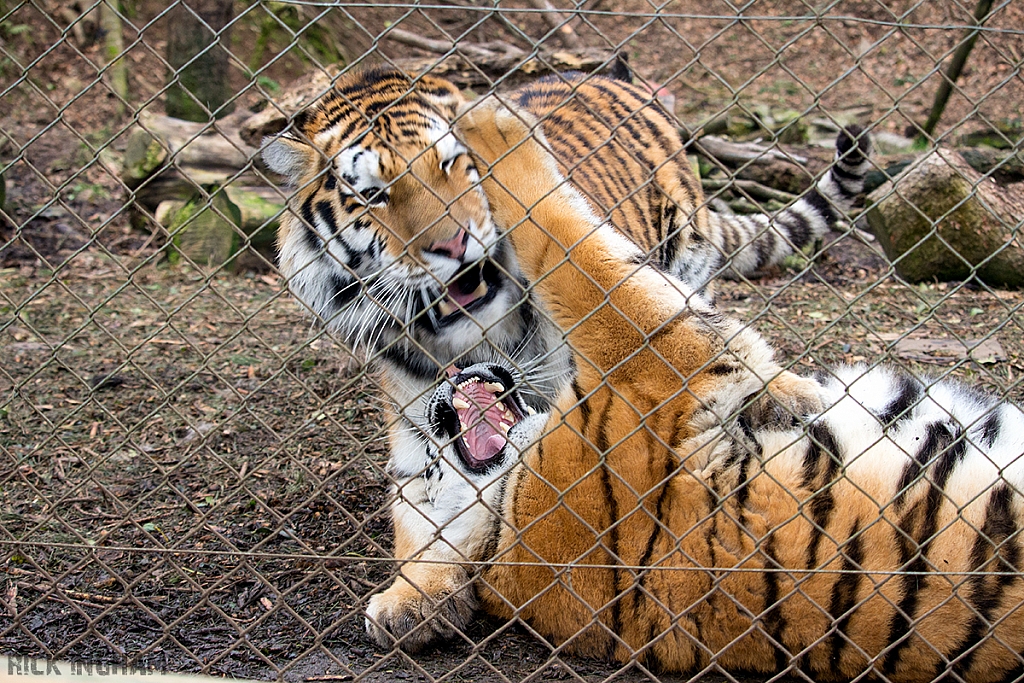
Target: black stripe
(908, 394)
(601, 444)
(824, 456)
(313, 240)
(325, 210)
(985, 595)
(670, 246)
(518, 486)
(844, 597)
(764, 243)
(772, 620)
(821, 206)
(343, 291)
(583, 403)
(991, 427)
(491, 547)
(937, 439)
(751, 449)
(840, 170)
(950, 447)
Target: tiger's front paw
(509, 143)
(492, 129)
(789, 401)
(407, 615)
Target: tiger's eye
(375, 196)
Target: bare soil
(193, 479)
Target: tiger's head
(389, 238)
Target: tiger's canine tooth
(494, 387)
(459, 403)
(445, 307)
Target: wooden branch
(438, 46)
(558, 23)
(956, 66)
(737, 153)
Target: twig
(751, 187)
(557, 22)
(53, 593)
(74, 595)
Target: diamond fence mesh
(194, 462)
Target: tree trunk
(197, 50)
(113, 49)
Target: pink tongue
(482, 437)
(461, 299)
(491, 445)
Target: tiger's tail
(752, 243)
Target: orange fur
(626, 540)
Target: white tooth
(530, 411)
(494, 387)
(509, 417)
(445, 307)
(505, 427)
(500, 406)
(480, 291)
(459, 404)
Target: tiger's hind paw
(405, 615)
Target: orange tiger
(669, 510)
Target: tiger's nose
(454, 248)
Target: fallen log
(940, 219)
(167, 158)
(211, 232)
(738, 153)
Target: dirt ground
(192, 478)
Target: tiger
(687, 503)
(389, 239)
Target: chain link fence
(194, 468)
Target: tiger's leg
(649, 354)
(614, 311)
(444, 517)
(433, 596)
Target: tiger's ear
(290, 157)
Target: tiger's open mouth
(471, 289)
(479, 412)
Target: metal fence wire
(203, 444)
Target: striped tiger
(390, 240)
(671, 510)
